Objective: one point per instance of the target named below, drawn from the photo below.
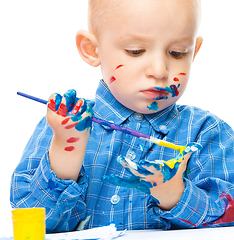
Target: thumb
(184, 163)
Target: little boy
(145, 49)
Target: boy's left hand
(157, 178)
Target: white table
(189, 234)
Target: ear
(199, 42)
(86, 44)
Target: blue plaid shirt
(207, 200)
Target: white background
(38, 56)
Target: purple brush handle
(97, 120)
(121, 129)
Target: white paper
(102, 233)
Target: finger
(85, 120)
(184, 163)
(133, 168)
(193, 147)
(54, 102)
(80, 107)
(67, 102)
(70, 98)
(127, 163)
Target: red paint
(65, 121)
(62, 111)
(184, 74)
(51, 105)
(176, 79)
(228, 216)
(69, 149)
(77, 106)
(71, 126)
(72, 140)
(188, 222)
(112, 79)
(119, 66)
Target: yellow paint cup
(29, 223)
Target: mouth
(156, 94)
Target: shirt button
(131, 155)
(138, 116)
(115, 199)
(162, 127)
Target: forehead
(103, 13)
(111, 14)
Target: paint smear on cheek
(112, 79)
(119, 66)
(174, 90)
(176, 79)
(182, 74)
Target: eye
(177, 55)
(135, 53)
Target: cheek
(116, 74)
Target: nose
(157, 68)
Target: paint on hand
(65, 121)
(71, 108)
(144, 174)
(72, 140)
(153, 106)
(69, 149)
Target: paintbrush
(120, 128)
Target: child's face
(146, 49)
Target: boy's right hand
(71, 120)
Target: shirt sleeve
(208, 198)
(34, 184)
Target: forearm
(67, 164)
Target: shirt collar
(108, 108)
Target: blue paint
(161, 98)
(153, 106)
(173, 89)
(83, 123)
(139, 172)
(58, 99)
(70, 97)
